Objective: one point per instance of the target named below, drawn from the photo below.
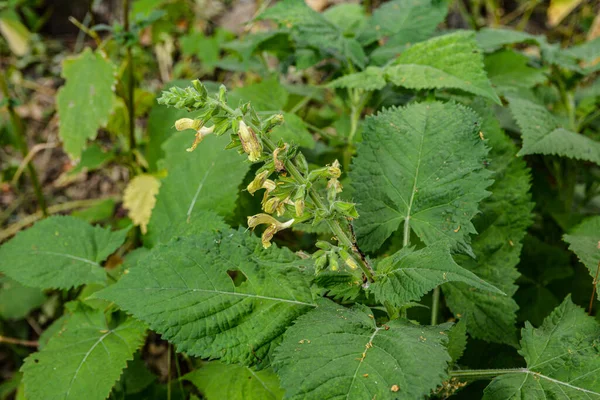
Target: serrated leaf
(543, 134)
(83, 360)
(562, 360)
(334, 352)
(449, 61)
(584, 241)
(16, 300)
(84, 103)
(139, 198)
(59, 253)
(422, 164)
(311, 29)
(206, 179)
(501, 224)
(409, 274)
(457, 340)
(508, 69)
(185, 292)
(268, 95)
(217, 381)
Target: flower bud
(347, 209)
(271, 205)
(320, 263)
(348, 259)
(258, 181)
(250, 142)
(188, 123)
(299, 206)
(334, 169)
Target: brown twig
(595, 283)
(19, 342)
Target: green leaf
(59, 253)
(349, 18)
(84, 359)
(92, 158)
(405, 21)
(15, 33)
(334, 352)
(457, 340)
(491, 39)
(584, 241)
(508, 69)
(421, 165)
(372, 78)
(187, 293)
(268, 95)
(503, 220)
(543, 134)
(450, 61)
(219, 381)
(85, 102)
(562, 359)
(206, 179)
(311, 29)
(16, 300)
(293, 130)
(408, 274)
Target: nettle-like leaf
(335, 352)
(584, 241)
(217, 295)
(219, 381)
(449, 61)
(85, 102)
(562, 359)
(59, 253)
(311, 29)
(501, 224)
(408, 274)
(16, 300)
(206, 179)
(421, 165)
(542, 133)
(84, 359)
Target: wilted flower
(200, 135)
(259, 181)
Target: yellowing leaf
(15, 33)
(140, 198)
(559, 9)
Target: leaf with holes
(85, 358)
(336, 352)
(562, 359)
(421, 166)
(59, 253)
(217, 295)
(85, 102)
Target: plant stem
(130, 81)
(20, 342)
(595, 283)
(22, 143)
(435, 305)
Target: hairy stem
(19, 342)
(435, 305)
(17, 124)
